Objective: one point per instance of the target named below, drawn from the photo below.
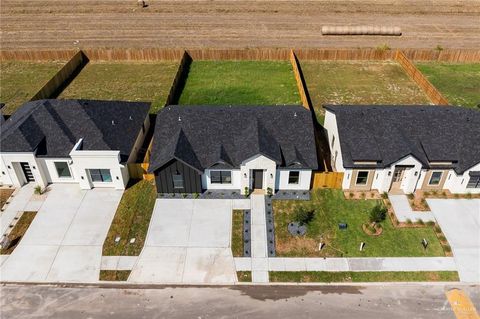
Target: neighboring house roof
(386, 134)
(53, 127)
(224, 136)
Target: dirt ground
(234, 23)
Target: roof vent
(130, 118)
(295, 114)
(179, 119)
(113, 122)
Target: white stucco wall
(48, 166)
(304, 180)
(262, 163)
(236, 180)
(14, 175)
(330, 125)
(457, 184)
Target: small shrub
(420, 222)
(410, 196)
(303, 216)
(246, 191)
(439, 48)
(408, 221)
(184, 195)
(456, 196)
(423, 202)
(38, 190)
(447, 248)
(383, 47)
(430, 223)
(385, 195)
(469, 195)
(372, 195)
(269, 192)
(426, 194)
(196, 195)
(378, 214)
(351, 194)
(362, 195)
(442, 238)
(437, 229)
(444, 194)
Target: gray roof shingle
(52, 127)
(224, 136)
(386, 134)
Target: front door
(257, 179)
(397, 178)
(27, 172)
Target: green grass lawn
(20, 81)
(240, 82)
(146, 82)
(237, 233)
(131, 220)
(362, 82)
(332, 208)
(350, 276)
(18, 231)
(459, 83)
(114, 275)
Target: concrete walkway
(23, 200)
(404, 211)
(348, 264)
(259, 239)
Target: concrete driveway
(64, 241)
(188, 241)
(460, 222)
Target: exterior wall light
(9, 167)
(390, 173)
(245, 175)
(416, 173)
(271, 175)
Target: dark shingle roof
(53, 127)
(387, 134)
(224, 136)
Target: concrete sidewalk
(403, 210)
(347, 264)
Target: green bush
(304, 216)
(38, 190)
(431, 223)
(410, 196)
(378, 214)
(385, 195)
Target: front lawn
(237, 233)
(18, 231)
(144, 82)
(331, 208)
(131, 220)
(240, 83)
(20, 81)
(459, 83)
(370, 276)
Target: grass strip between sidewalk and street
(370, 276)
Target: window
(100, 175)
(474, 182)
(62, 169)
(221, 177)
(293, 177)
(435, 178)
(362, 178)
(177, 181)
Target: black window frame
(475, 181)
(66, 168)
(363, 178)
(102, 173)
(220, 177)
(439, 179)
(293, 180)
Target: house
(72, 141)
(405, 148)
(197, 148)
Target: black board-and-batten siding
(192, 180)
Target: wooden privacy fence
(179, 79)
(302, 88)
(62, 78)
(327, 180)
(433, 94)
(139, 171)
